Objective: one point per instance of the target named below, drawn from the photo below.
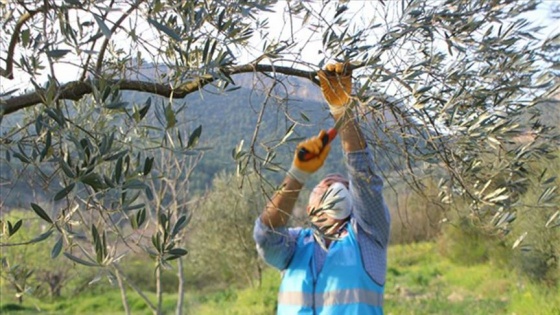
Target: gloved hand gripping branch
(336, 85)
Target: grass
(419, 281)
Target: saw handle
(304, 155)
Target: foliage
(537, 256)
(465, 244)
(416, 216)
(29, 270)
(223, 252)
(112, 191)
(447, 90)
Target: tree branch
(75, 90)
(8, 72)
(103, 48)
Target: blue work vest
(342, 287)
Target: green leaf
(48, 143)
(163, 220)
(134, 184)
(165, 29)
(205, 50)
(118, 170)
(148, 163)
(106, 31)
(423, 89)
(108, 181)
(144, 110)
(22, 158)
(178, 252)
(25, 36)
(64, 192)
(233, 88)
(13, 229)
(547, 195)
(156, 241)
(179, 225)
(340, 10)
(58, 53)
(80, 261)
(93, 180)
(99, 244)
(116, 105)
(57, 248)
(41, 213)
(42, 237)
(193, 138)
(170, 117)
(141, 217)
(57, 115)
(169, 258)
(519, 240)
(149, 193)
(552, 218)
(288, 133)
(95, 235)
(106, 143)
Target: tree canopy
(456, 87)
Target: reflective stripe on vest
(342, 287)
(337, 297)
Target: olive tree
(443, 89)
(223, 227)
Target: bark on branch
(8, 72)
(75, 90)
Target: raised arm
(279, 208)
(336, 85)
(370, 210)
(275, 242)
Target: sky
(309, 43)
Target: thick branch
(77, 89)
(8, 72)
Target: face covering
(332, 199)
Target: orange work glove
(301, 170)
(336, 85)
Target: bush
(415, 216)
(221, 246)
(467, 244)
(538, 256)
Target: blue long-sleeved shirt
(370, 219)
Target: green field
(420, 281)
